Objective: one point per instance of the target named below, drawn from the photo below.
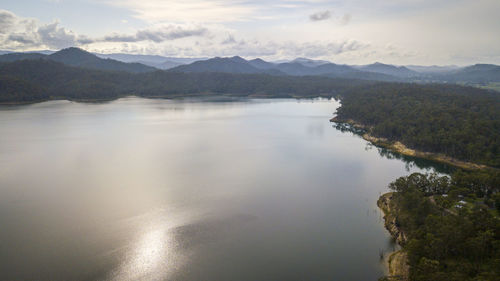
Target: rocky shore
(397, 266)
(402, 149)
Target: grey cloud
(255, 48)
(120, 38)
(319, 16)
(21, 38)
(54, 36)
(27, 33)
(159, 35)
(346, 18)
(314, 50)
(84, 40)
(229, 40)
(7, 21)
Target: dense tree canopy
(461, 122)
(463, 244)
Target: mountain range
(80, 58)
(479, 73)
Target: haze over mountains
(79, 58)
(479, 73)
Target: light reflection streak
(152, 256)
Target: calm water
(139, 189)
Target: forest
(460, 122)
(451, 223)
(53, 80)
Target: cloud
(229, 40)
(7, 21)
(322, 49)
(208, 11)
(275, 50)
(345, 19)
(54, 36)
(21, 33)
(320, 16)
(158, 35)
(25, 33)
(48, 35)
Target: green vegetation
(462, 244)
(56, 80)
(459, 122)
(491, 86)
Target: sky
(403, 32)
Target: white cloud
(24, 34)
(7, 21)
(421, 31)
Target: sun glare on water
(152, 257)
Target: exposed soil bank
(402, 149)
(397, 266)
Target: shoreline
(400, 148)
(396, 263)
(169, 97)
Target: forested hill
(460, 122)
(80, 58)
(55, 80)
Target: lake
(212, 189)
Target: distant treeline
(37, 80)
(460, 122)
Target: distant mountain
(239, 65)
(133, 58)
(332, 70)
(478, 73)
(295, 69)
(45, 52)
(228, 65)
(37, 80)
(156, 61)
(433, 68)
(80, 58)
(309, 62)
(261, 64)
(388, 69)
(167, 65)
(162, 65)
(20, 56)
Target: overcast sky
(343, 31)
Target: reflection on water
(151, 255)
(138, 189)
(410, 161)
